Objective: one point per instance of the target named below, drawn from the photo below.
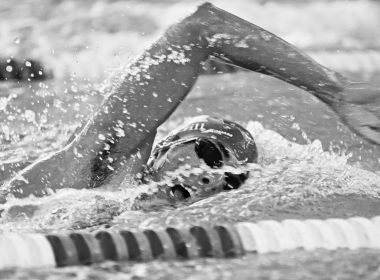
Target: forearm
(250, 46)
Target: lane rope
(204, 240)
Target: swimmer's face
(203, 157)
(192, 169)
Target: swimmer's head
(201, 158)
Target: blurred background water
(310, 164)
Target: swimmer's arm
(162, 77)
(126, 123)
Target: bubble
(43, 119)
(74, 88)
(76, 106)
(9, 68)
(296, 126)
(76, 153)
(30, 116)
(119, 132)
(57, 103)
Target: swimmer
(117, 141)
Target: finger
(370, 133)
(362, 93)
(361, 120)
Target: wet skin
(102, 150)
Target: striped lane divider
(204, 240)
(138, 245)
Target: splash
(289, 175)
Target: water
(310, 165)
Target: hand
(359, 109)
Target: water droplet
(43, 119)
(76, 153)
(30, 116)
(119, 132)
(74, 88)
(9, 68)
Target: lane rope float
(204, 240)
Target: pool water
(310, 165)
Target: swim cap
(189, 160)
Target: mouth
(179, 192)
